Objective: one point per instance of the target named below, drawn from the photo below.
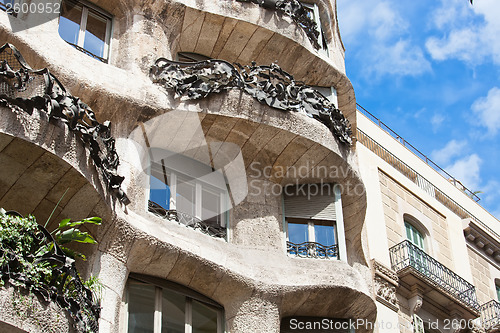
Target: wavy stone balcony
(442, 285)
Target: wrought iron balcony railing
(312, 250)
(490, 315)
(188, 220)
(407, 256)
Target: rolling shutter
(317, 207)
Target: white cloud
(470, 33)
(467, 171)
(436, 121)
(380, 31)
(400, 58)
(452, 149)
(487, 110)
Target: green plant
(34, 259)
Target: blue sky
(430, 69)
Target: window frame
(323, 44)
(172, 178)
(189, 294)
(338, 224)
(414, 231)
(83, 28)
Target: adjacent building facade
(241, 189)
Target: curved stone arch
(51, 150)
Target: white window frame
(338, 226)
(198, 203)
(188, 312)
(83, 25)
(323, 49)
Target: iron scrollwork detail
(23, 88)
(187, 220)
(296, 11)
(270, 85)
(312, 250)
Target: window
(194, 191)
(312, 12)
(85, 27)
(497, 287)
(313, 220)
(158, 306)
(414, 236)
(329, 92)
(416, 251)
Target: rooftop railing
(418, 179)
(407, 255)
(490, 315)
(418, 153)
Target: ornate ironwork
(295, 10)
(187, 220)
(26, 89)
(63, 285)
(312, 250)
(407, 255)
(270, 85)
(490, 315)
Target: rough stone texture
(27, 313)
(251, 275)
(481, 277)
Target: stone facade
(251, 278)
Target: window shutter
(418, 324)
(317, 207)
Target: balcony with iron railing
(490, 316)
(442, 285)
(312, 250)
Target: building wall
(398, 201)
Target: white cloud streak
(487, 110)
(452, 149)
(470, 33)
(381, 33)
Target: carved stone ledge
(482, 238)
(385, 284)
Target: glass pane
(324, 234)
(159, 192)
(173, 312)
(210, 207)
(408, 232)
(95, 34)
(185, 197)
(498, 292)
(297, 233)
(69, 22)
(204, 318)
(141, 307)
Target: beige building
(248, 197)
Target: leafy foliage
(33, 259)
